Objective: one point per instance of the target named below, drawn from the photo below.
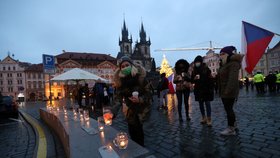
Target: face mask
(197, 64)
(126, 71)
(224, 59)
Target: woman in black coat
(203, 88)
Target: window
(14, 68)
(39, 84)
(19, 81)
(10, 89)
(0, 74)
(29, 84)
(34, 76)
(28, 75)
(9, 68)
(4, 68)
(39, 76)
(1, 82)
(10, 82)
(34, 84)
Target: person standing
(98, 90)
(277, 81)
(183, 83)
(259, 82)
(270, 80)
(163, 87)
(133, 94)
(80, 95)
(86, 93)
(229, 84)
(247, 83)
(203, 88)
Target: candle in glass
(122, 140)
(86, 115)
(100, 122)
(107, 115)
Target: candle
(107, 118)
(101, 128)
(86, 115)
(100, 122)
(121, 140)
(122, 144)
(108, 122)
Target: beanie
(230, 50)
(125, 58)
(198, 59)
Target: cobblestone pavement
(54, 146)
(258, 122)
(258, 132)
(17, 138)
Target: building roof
(85, 58)
(276, 47)
(35, 68)
(84, 55)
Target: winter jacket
(204, 86)
(229, 77)
(124, 88)
(182, 83)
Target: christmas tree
(165, 67)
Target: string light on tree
(165, 67)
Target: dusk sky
(30, 28)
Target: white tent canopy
(77, 74)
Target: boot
(209, 122)
(180, 118)
(203, 120)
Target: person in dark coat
(270, 80)
(183, 84)
(229, 84)
(134, 96)
(203, 88)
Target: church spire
(124, 32)
(142, 34)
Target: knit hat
(198, 59)
(125, 58)
(230, 50)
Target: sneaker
(228, 131)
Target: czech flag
(171, 86)
(253, 44)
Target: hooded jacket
(228, 77)
(125, 85)
(204, 86)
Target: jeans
(228, 105)
(208, 108)
(180, 95)
(163, 94)
(136, 132)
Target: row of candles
(121, 139)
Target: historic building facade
(102, 65)
(35, 82)
(212, 59)
(12, 76)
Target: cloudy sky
(30, 28)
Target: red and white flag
(253, 44)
